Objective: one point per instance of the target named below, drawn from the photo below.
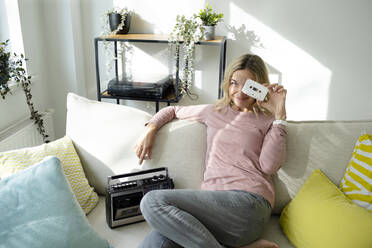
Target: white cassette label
(255, 90)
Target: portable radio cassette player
(124, 193)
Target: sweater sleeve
(194, 112)
(273, 149)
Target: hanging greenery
(123, 12)
(107, 30)
(12, 69)
(188, 32)
(4, 69)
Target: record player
(142, 88)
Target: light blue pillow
(38, 209)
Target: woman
(246, 141)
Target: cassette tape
(255, 90)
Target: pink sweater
(243, 149)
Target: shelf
(174, 96)
(162, 38)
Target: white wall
(319, 50)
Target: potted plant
(189, 32)
(115, 21)
(209, 20)
(118, 19)
(12, 69)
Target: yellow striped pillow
(357, 181)
(14, 161)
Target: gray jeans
(203, 218)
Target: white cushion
(181, 146)
(104, 135)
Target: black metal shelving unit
(173, 96)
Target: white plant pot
(209, 32)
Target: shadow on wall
(242, 35)
(243, 40)
(304, 76)
(140, 25)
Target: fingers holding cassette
(274, 87)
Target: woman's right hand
(144, 144)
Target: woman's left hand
(276, 102)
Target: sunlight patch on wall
(305, 78)
(146, 20)
(15, 32)
(163, 19)
(142, 64)
(198, 79)
(274, 78)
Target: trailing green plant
(106, 31)
(12, 69)
(208, 17)
(4, 69)
(124, 12)
(188, 32)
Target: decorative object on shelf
(12, 69)
(210, 20)
(119, 20)
(115, 21)
(188, 31)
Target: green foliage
(124, 12)
(4, 69)
(208, 17)
(109, 45)
(188, 32)
(12, 69)
(121, 11)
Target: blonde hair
(256, 66)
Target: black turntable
(159, 89)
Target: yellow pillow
(320, 215)
(357, 181)
(16, 160)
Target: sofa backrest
(327, 145)
(104, 135)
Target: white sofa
(104, 134)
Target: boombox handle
(137, 173)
